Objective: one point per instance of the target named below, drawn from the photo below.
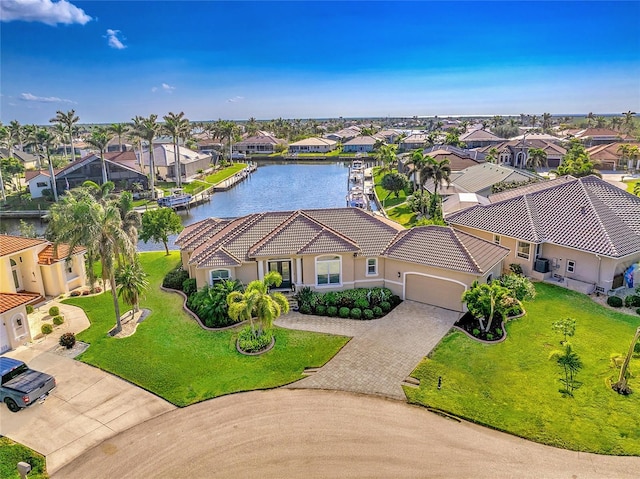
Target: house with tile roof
(360, 144)
(313, 145)
(333, 249)
(28, 160)
(166, 164)
(479, 138)
(413, 141)
(599, 136)
(608, 156)
(581, 232)
(30, 270)
(264, 144)
(344, 135)
(516, 152)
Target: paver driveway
(382, 353)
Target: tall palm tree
(386, 155)
(546, 122)
(534, 120)
(628, 120)
(69, 120)
(440, 173)
(135, 135)
(100, 138)
(417, 161)
(590, 118)
(176, 126)
(119, 130)
(44, 139)
(16, 135)
(148, 130)
(616, 123)
(5, 141)
(537, 158)
(131, 281)
(60, 131)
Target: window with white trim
(524, 250)
(571, 266)
(496, 239)
(218, 275)
(328, 270)
(372, 266)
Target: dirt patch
(130, 323)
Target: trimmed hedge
(614, 301)
(358, 303)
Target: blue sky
(113, 60)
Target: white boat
(176, 199)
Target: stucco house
(343, 135)
(332, 249)
(30, 270)
(260, 144)
(479, 138)
(28, 160)
(313, 145)
(165, 163)
(38, 181)
(581, 232)
(516, 152)
(360, 144)
(608, 156)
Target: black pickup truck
(20, 386)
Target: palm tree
(61, 136)
(119, 129)
(628, 120)
(616, 122)
(134, 134)
(386, 155)
(131, 219)
(439, 172)
(148, 130)
(546, 122)
(537, 158)
(624, 151)
(4, 141)
(175, 126)
(590, 118)
(43, 140)
(68, 119)
(100, 138)
(492, 155)
(417, 160)
(258, 303)
(16, 135)
(621, 385)
(131, 281)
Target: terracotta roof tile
(8, 301)
(12, 244)
(48, 255)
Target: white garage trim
(404, 281)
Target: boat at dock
(177, 199)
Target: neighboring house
(608, 157)
(344, 135)
(165, 162)
(260, 145)
(459, 159)
(582, 232)
(480, 138)
(413, 141)
(28, 160)
(30, 269)
(360, 144)
(598, 136)
(461, 201)
(333, 249)
(126, 158)
(114, 145)
(313, 145)
(516, 152)
(38, 181)
(389, 136)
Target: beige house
(332, 249)
(313, 145)
(581, 232)
(31, 269)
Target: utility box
(541, 265)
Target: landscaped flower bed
(359, 303)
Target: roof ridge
(601, 224)
(465, 249)
(529, 206)
(269, 236)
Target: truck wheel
(11, 404)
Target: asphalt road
(319, 434)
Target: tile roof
(362, 140)
(443, 247)
(12, 244)
(49, 256)
(480, 135)
(530, 188)
(587, 214)
(313, 141)
(8, 301)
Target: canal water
(274, 186)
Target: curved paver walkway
(382, 353)
(320, 434)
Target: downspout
(599, 266)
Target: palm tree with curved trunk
(148, 130)
(537, 158)
(621, 385)
(69, 120)
(132, 281)
(176, 126)
(119, 130)
(100, 138)
(60, 131)
(386, 155)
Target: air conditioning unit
(541, 265)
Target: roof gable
(13, 244)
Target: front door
(284, 268)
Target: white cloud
(154, 89)
(113, 40)
(235, 99)
(43, 99)
(44, 11)
(168, 88)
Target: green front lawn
(225, 173)
(402, 214)
(171, 356)
(631, 184)
(514, 387)
(11, 453)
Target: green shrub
(614, 302)
(305, 309)
(251, 343)
(475, 332)
(346, 301)
(210, 303)
(332, 311)
(54, 311)
(377, 311)
(489, 337)
(367, 313)
(636, 348)
(395, 300)
(29, 309)
(321, 310)
(330, 298)
(67, 340)
(175, 278)
(356, 313)
(499, 332)
(343, 312)
(638, 311)
(361, 303)
(46, 328)
(632, 301)
(58, 320)
(516, 269)
(189, 286)
(303, 296)
(386, 306)
(521, 287)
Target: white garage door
(434, 291)
(4, 338)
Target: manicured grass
(225, 173)
(171, 356)
(17, 202)
(513, 386)
(402, 214)
(382, 193)
(631, 184)
(11, 453)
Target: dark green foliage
(489, 337)
(395, 300)
(614, 301)
(356, 313)
(516, 268)
(346, 301)
(343, 312)
(361, 298)
(632, 301)
(304, 297)
(638, 311)
(377, 311)
(636, 347)
(394, 183)
(210, 303)
(386, 306)
(175, 278)
(250, 342)
(361, 303)
(521, 287)
(510, 185)
(58, 320)
(54, 311)
(189, 286)
(46, 328)
(67, 340)
(29, 309)
(499, 332)
(330, 298)
(305, 309)
(321, 310)
(367, 314)
(332, 311)
(476, 332)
